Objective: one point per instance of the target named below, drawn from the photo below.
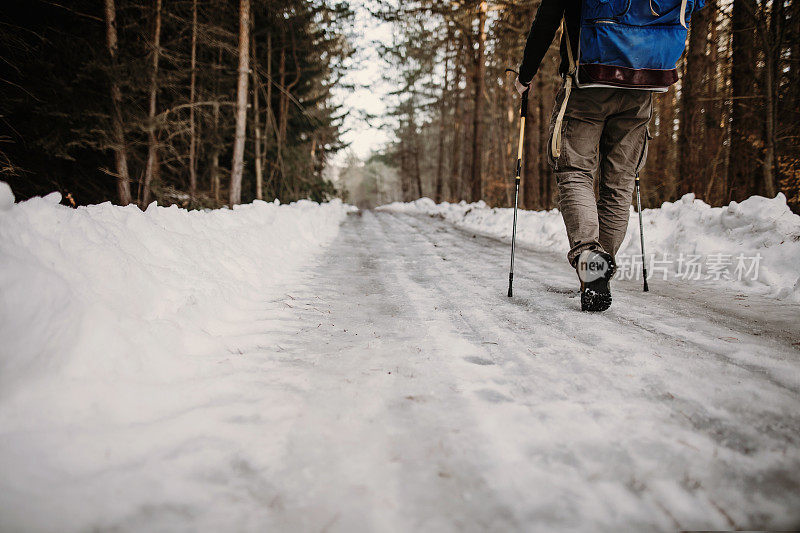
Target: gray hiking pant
(603, 134)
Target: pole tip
(510, 292)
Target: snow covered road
(388, 384)
(434, 403)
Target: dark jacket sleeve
(543, 29)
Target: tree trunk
(768, 164)
(437, 197)
(789, 113)
(269, 119)
(405, 186)
(455, 159)
(280, 131)
(192, 97)
(215, 147)
(257, 124)
(773, 53)
(692, 164)
(417, 169)
(237, 166)
(714, 124)
(120, 148)
(745, 133)
(476, 184)
(284, 110)
(545, 197)
(283, 117)
(530, 155)
(151, 169)
(663, 145)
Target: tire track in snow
(389, 462)
(777, 420)
(720, 330)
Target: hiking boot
(595, 270)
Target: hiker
(614, 55)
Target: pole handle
(524, 107)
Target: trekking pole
(523, 114)
(641, 232)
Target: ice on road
(403, 391)
(436, 403)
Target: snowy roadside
(753, 245)
(112, 318)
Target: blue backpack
(632, 43)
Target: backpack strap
(556, 143)
(570, 58)
(683, 14)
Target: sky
(371, 93)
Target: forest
(206, 103)
(199, 103)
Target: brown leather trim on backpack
(626, 77)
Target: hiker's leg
(623, 148)
(577, 164)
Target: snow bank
(111, 317)
(757, 238)
(6, 196)
(125, 289)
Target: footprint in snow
(561, 290)
(493, 396)
(479, 361)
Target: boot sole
(596, 295)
